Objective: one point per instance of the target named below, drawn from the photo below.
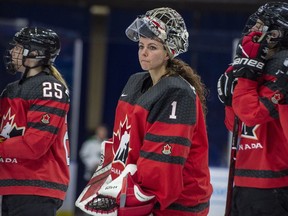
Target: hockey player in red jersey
(160, 143)
(34, 152)
(260, 178)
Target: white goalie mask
(165, 24)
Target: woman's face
(151, 54)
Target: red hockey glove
(225, 86)
(135, 196)
(253, 46)
(250, 55)
(133, 200)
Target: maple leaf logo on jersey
(167, 149)
(45, 119)
(9, 128)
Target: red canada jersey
(283, 115)
(162, 130)
(35, 156)
(262, 152)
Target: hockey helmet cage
(165, 24)
(274, 15)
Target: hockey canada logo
(249, 132)
(121, 138)
(9, 128)
(122, 151)
(8, 160)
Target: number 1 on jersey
(172, 115)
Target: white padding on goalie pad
(113, 188)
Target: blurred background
(97, 58)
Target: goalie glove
(87, 201)
(104, 200)
(122, 197)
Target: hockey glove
(250, 54)
(88, 201)
(121, 197)
(133, 200)
(253, 46)
(225, 86)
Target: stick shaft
(232, 167)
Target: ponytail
(58, 75)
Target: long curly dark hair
(177, 66)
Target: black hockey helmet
(42, 41)
(274, 15)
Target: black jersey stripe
(178, 207)
(46, 109)
(261, 173)
(270, 106)
(43, 127)
(162, 158)
(33, 183)
(168, 139)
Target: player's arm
(252, 103)
(46, 114)
(251, 99)
(167, 144)
(279, 67)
